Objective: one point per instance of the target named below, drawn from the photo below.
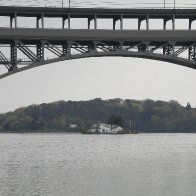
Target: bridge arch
(118, 53)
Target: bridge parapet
(92, 15)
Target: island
(104, 128)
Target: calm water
(105, 165)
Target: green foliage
(147, 115)
(188, 107)
(115, 120)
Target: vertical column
(37, 22)
(15, 19)
(68, 18)
(94, 46)
(169, 49)
(173, 48)
(114, 24)
(173, 22)
(63, 22)
(13, 53)
(69, 21)
(164, 23)
(190, 23)
(139, 23)
(95, 19)
(192, 53)
(42, 20)
(89, 22)
(121, 22)
(66, 48)
(40, 51)
(11, 21)
(147, 46)
(147, 22)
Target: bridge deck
(8, 35)
(101, 12)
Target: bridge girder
(67, 50)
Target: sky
(104, 77)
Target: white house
(103, 128)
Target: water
(104, 165)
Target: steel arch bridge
(25, 48)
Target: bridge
(23, 48)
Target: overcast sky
(105, 77)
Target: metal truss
(25, 55)
(24, 48)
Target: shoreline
(76, 132)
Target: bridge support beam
(89, 22)
(68, 19)
(63, 22)
(121, 22)
(81, 49)
(114, 23)
(173, 22)
(13, 19)
(95, 21)
(5, 61)
(165, 20)
(190, 23)
(40, 18)
(147, 22)
(66, 48)
(25, 50)
(13, 53)
(192, 53)
(40, 51)
(168, 49)
(140, 22)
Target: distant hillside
(147, 116)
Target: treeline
(146, 116)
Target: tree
(116, 120)
(188, 107)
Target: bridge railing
(100, 4)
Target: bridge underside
(23, 49)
